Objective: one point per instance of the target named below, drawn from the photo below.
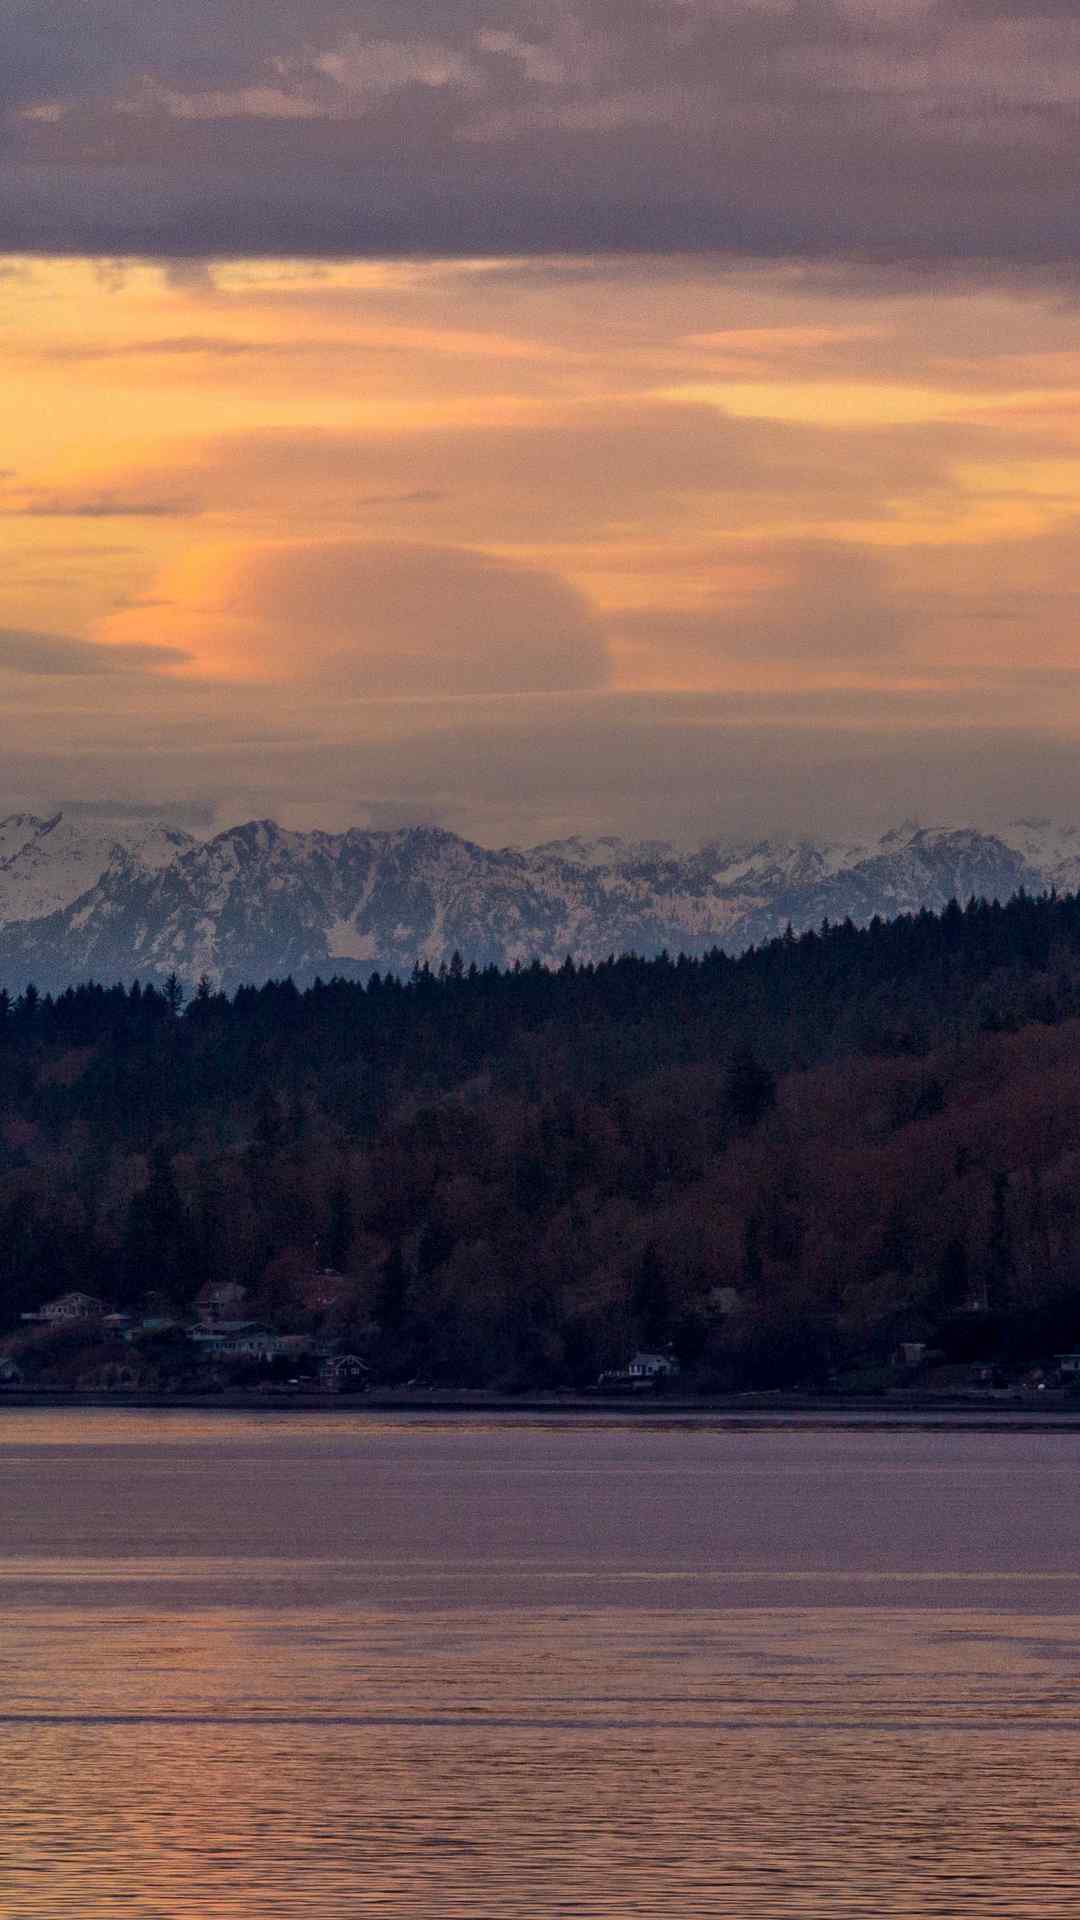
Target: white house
(239, 1340)
(68, 1307)
(344, 1370)
(652, 1366)
(641, 1370)
(1068, 1365)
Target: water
(329, 1665)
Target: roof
(219, 1327)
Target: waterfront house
(344, 1371)
(68, 1308)
(112, 1376)
(642, 1371)
(154, 1323)
(220, 1300)
(910, 1354)
(652, 1366)
(240, 1340)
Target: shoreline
(747, 1412)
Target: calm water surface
(335, 1666)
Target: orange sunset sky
(536, 420)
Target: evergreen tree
(1000, 1260)
(158, 1249)
(749, 1089)
(339, 1228)
(954, 1276)
(434, 1248)
(650, 1300)
(753, 1265)
(897, 1254)
(392, 1292)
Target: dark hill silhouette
(828, 1145)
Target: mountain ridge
(121, 900)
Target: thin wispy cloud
(64, 655)
(94, 507)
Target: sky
(574, 417)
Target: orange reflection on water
(261, 1668)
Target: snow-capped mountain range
(85, 899)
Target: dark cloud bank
(914, 131)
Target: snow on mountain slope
(46, 864)
(81, 899)
(1054, 852)
(608, 851)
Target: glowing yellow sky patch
(785, 340)
(1053, 481)
(655, 433)
(829, 404)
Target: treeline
(780, 1164)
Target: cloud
(1016, 611)
(94, 506)
(23, 651)
(198, 346)
(418, 497)
(914, 133)
(376, 620)
(824, 605)
(659, 765)
(210, 347)
(625, 469)
(196, 815)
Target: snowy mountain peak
(607, 851)
(47, 864)
(902, 835)
(20, 828)
(85, 897)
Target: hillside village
(846, 1161)
(78, 1341)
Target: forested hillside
(779, 1165)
